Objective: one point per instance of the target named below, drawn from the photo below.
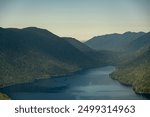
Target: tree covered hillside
(136, 73)
(33, 53)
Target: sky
(81, 19)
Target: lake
(92, 84)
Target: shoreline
(54, 76)
(144, 94)
(42, 78)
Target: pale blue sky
(81, 19)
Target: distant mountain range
(113, 42)
(141, 42)
(133, 51)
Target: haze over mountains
(113, 42)
(141, 42)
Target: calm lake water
(92, 84)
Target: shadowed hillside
(33, 53)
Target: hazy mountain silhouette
(113, 42)
(141, 42)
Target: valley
(133, 60)
(31, 54)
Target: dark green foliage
(32, 53)
(136, 73)
(32, 66)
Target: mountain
(136, 73)
(134, 68)
(133, 58)
(33, 53)
(39, 40)
(140, 43)
(81, 46)
(113, 42)
(103, 57)
(135, 48)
